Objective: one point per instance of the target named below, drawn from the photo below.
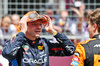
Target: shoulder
(87, 41)
(48, 41)
(80, 45)
(44, 39)
(84, 44)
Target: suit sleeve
(12, 46)
(64, 47)
(79, 56)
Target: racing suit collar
(96, 36)
(31, 41)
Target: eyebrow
(36, 23)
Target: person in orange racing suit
(87, 53)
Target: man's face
(34, 28)
(90, 29)
(6, 22)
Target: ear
(95, 26)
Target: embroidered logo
(40, 47)
(25, 47)
(97, 45)
(75, 63)
(77, 54)
(76, 59)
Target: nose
(39, 26)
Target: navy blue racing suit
(20, 51)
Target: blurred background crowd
(68, 16)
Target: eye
(34, 24)
(41, 24)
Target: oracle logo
(38, 61)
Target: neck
(29, 36)
(96, 33)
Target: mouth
(38, 32)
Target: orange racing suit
(87, 53)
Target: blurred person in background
(63, 19)
(78, 9)
(77, 13)
(66, 24)
(15, 20)
(87, 53)
(7, 28)
(27, 48)
(81, 22)
(3, 61)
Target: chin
(37, 36)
